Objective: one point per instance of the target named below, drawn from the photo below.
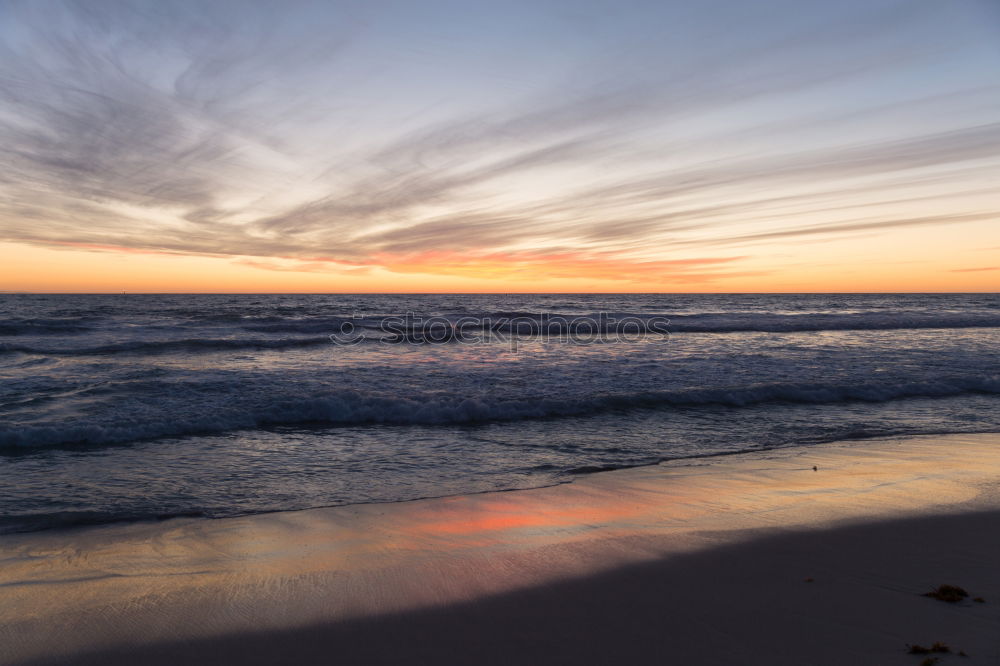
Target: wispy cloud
(535, 265)
(288, 140)
(875, 225)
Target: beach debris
(938, 646)
(979, 600)
(929, 661)
(950, 593)
(809, 580)
(961, 653)
(815, 469)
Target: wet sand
(753, 558)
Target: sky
(517, 146)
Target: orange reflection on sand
(487, 516)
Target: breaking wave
(357, 408)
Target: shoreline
(120, 591)
(571, 476)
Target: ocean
(138, 407)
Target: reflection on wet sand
(190, 578)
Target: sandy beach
(755, 558)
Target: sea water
(131, 407)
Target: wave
(17, 327)
(539, 323)
(487, 327)
(861, 321)
(734, 322)
(71, 519)
(358, 408)
(168, 346)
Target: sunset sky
(522, 146)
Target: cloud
(236, 131)
(317, 266)
(535, 265)
(876, 225)
(975, 270)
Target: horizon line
(473, 293)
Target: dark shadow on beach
(845, 595)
